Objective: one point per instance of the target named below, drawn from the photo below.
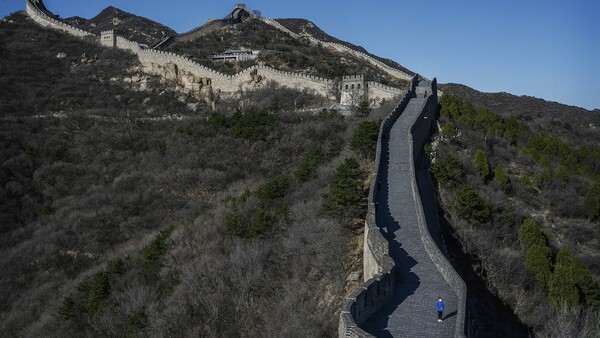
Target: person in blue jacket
(439, 306)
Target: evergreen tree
(592, 200)
(346, 193)
(581, 276)
(364, 138)
(447, 170)
(501, 179)
(538, 260)
(363, 108)
(562, 287)
(531, 234)
(450, 130)
(471, 206)
(482, 166)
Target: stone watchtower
(108, 38)
(354, 89)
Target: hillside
(131, 209)
(306, 27)
(513, 171)
(276, 49)
(573, 123)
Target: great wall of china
(198, 78)
(381, 273)
(384, 276)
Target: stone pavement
(411, 313)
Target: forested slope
(130, 212)
(521, 192)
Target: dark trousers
(440, 314)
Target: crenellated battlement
(45, 20)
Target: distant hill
(570, 122)
(506, 103)
(129, 25)
(303, 26)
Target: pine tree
(538, 260)
(345, 192)
(562, 287)
(482, 166)
(471, 206)
(592, 200)
(531, 234)
(501, 179)
(363, 108)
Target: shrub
(274, 188)
(154, 251)
(253, 124)
(93, 291)
(310, 162)
(254, 222)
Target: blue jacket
(439, 306)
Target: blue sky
(548, 49)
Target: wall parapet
(417, 138)
(47, 21)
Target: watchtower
(354, 89)
(108, 38)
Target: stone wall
(47, 21)
(420, 133)
(379, 271)
(377, 264)
(376, 92)
(158, 62)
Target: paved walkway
(411, 313)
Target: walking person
(439, 306)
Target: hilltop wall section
(341, 48)
(198, 79)
(47, 21)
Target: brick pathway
(411, 313)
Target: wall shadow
(407, 282)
